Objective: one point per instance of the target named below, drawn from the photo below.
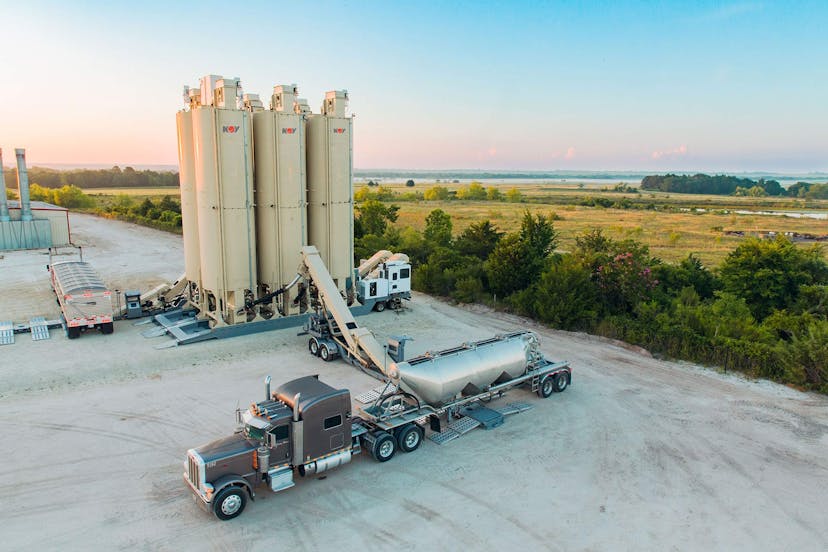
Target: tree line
(762, 311)
(731, 185)
(95, 178)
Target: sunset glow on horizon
(716, 86)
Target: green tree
(538, 234)
(167, 203)
(436, 193)
(566, 296)
(374, 216)
(513, 195)
(493, 194)
(438, 228)
(409, 183)
(473, 192)
(768, 274)
(518, 259)
(72, 197)
(809, 352)
(478, 240)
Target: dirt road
(638, 454)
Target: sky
(604, 85)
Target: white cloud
(675, 152)
(570, 153)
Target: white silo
(189, 206)
(330, 187)
(222, 136)
(279, 138)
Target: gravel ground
(638, 453)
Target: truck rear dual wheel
(409, 437)
(73, 333)
(561, 381)
(325, 353)
(547, 387)
(229, 503)
(107, 328)
(384, 447)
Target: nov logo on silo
(339, 131)
(288, 131)
(231, 129)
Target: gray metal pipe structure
(23, 185)
(4, 206)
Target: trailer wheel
(107, 328)
(384, 447)
(229, 503)
(547, 387)
(325, 353)
(313, 346)
(561, 381)
(73, 333)
(409, 437)
(380, 306)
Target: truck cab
(304, 426)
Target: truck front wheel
(380, 306)
(384, 447)
(313, 346)
(229, 503)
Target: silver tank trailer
(437, 378)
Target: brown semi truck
(309, 427)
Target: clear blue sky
(515, 85)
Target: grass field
(138, 192)
(669, 232)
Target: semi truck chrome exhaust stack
(4, 206)
(23, 185)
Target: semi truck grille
(193, 472)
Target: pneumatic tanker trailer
(307, 426)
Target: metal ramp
(370, 396)
(487, 417)
(39, 328)
(492, 416)
(513, 408)
(6, 332)
(454, 430)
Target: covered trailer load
(85, 302)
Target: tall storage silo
(281, 200)
(189, 207)
(222, 137)
(330, 188)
